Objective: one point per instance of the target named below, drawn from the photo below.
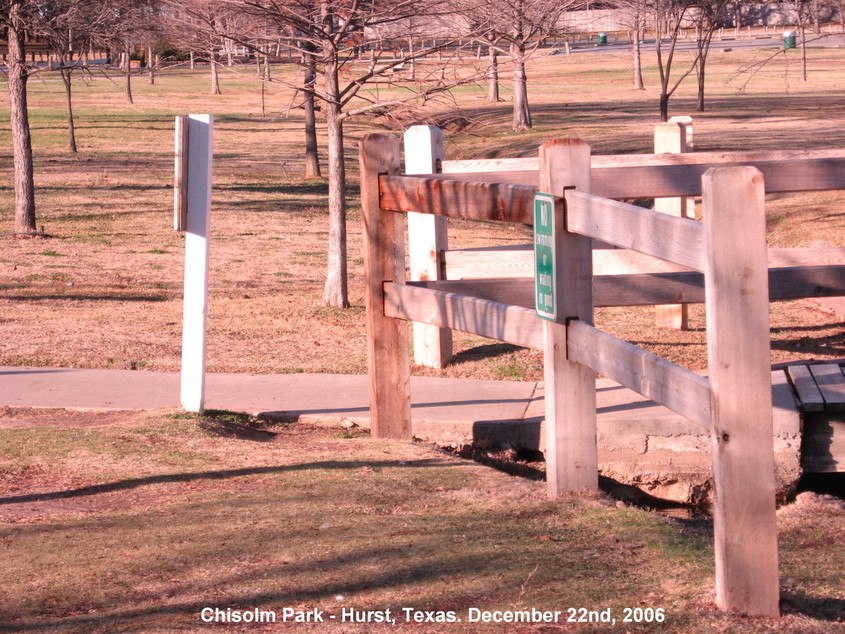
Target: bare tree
(70, 27)
(15, 20)
(334, 33)
(634, 15)
(516, 28)
(201, 26)
(707, 17)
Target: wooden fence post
(737, 294)
(427, 238)
(200, 129)
(570, 388)
(670, 138)
(384, 261)
(688, 206)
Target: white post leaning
(197, 225)
(427, 238)
(737, 294)
(670, 138)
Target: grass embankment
(105, 290)
(137, 521)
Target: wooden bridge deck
(820, 392)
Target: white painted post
(686, 122)
(670, 138)
(197, 226)
(570, 388)
(738, 350)
(427, 238)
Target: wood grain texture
(805, 386)
(502, 322)
(678, 240)
(571, 453)
(663, 382)
(736, 284)
(387, 337)
(456, 199)
(831, 382)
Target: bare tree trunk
(637, 37)
(19, 119)
(312, 158)
(193, 61)
(803, 34)
(493, 76)
(67, 78)
(215, 78)
(664, 106)
(127, 74)
(521, 109)
(335, 292)
(700, 76)
(152, 62)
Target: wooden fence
(722, 261)
(665, 177)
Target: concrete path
(443, 410)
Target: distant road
(824, 41)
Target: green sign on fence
(544, 256)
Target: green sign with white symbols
(544, 256)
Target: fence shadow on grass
(134, 483)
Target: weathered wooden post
(427, 238)
(670, 137)
(570, 388)
(194, 146)
(737, 294)
(384, 261)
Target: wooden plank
(476, 201)
(648, 289)
(663, 382)
(570, 388)
(427, 238)
(180, 175)
(387, 337)
(685, 180)
(670, 138)
(744, 520)
(805, 387)
(712, 157)
(518, 261)
(532, 164)
(831, 382)
(511, 324)
(678, 240)
(492, 165)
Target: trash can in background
(788, 39)
(602, 39)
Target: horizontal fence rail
(649, 289)
(662, 381)
(670, 238)
(518, 261)
(674, 177)
(457, 199)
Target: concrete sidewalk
(443, 410)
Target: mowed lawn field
(138, 521)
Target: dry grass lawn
(135, 522)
